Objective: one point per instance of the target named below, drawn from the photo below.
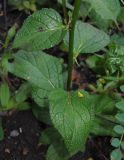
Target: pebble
(7, 150)
(14, 133)
(25, 151)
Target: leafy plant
(23, 5)
(115, 59)
(71, 115)
(10, 98)
(118, 143)
(109, 68)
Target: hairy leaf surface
(72, 116)
(41, 30)
(42, 71)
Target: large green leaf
(42, 71)
(41, 30)
(107, 9)
(88, 39)
(72, 116)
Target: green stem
(71, 42)
(65, 11)
(116, 79)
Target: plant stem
(117, 25)
(65, 11)
(71, 42)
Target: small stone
(14, 133)
(20, 130)
(7, 150)
(25, 151)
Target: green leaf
(115, 59)
(103, 103)
(97, 20)
(4, 94)
(11, 104)
(122, 88)
(40, 96)
(122, 145)
(120, 105)
(42, 114)
(115, 142)
(68, 5)
(72, 116)
(88, 39)
(117, 39)
(26, 4)
(101, 127)
(23, 92)
(94, 62)
(107, 9)
(120, 117)
(23, 106)
(119, 129)
(121, 16)
(116, 154)
(42, 71)
(49, 135)
(57, 151)
(40, 31)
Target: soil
(24, 144)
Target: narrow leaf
(4, 94)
